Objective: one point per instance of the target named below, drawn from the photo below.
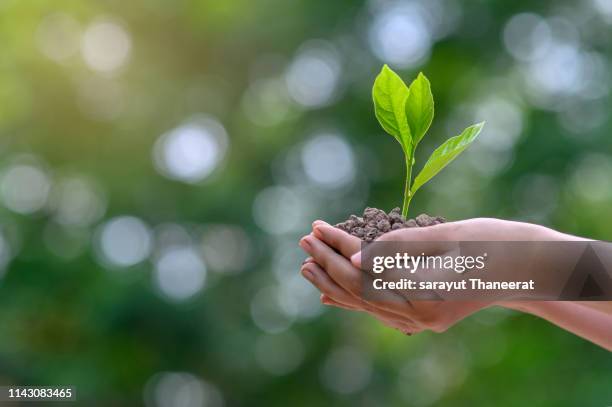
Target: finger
(337, 239)
(351, 279)
(338, 267)
(330, 290)
(328, 287)
(330, 301)
(308, 260)
(340, 270)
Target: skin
(334, 268)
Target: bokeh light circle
(346, 370)
(328, 161)
(279, 210)
(181, 389)
(192, 151)
(527, 36)
(58, 36)
(105, 46)
(180, 273)
(124, 241)
(400, 35)
(25, 187)
(313, 76)
(279, 354)
(77, 201)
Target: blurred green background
(160, 160)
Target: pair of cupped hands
(334, 267)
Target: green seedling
(406, 113)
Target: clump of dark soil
(376, 222)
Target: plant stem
(407, 193)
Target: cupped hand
(334, 295)
(335, 269)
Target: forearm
(583, 320)
(604, 306)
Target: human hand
(339, 279)
(334, 295)
(341, 282)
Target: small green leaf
(419, 108)
(446, 153)
(390, 94)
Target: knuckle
(334, 236)
(324, 260)
(331, 236)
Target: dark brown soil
(376, 222)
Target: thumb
(440, 232)
(428, 240)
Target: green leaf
(419, 108)
(390, 94)
(446, 153)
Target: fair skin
(335, 269)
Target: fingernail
(356, 259)
(317, 232)
(319, 222)
(307, 260)
(305, 244)
(308, 275)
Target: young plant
(406, 113)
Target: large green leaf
(446, 153)
(419, 108)
(389, 94)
